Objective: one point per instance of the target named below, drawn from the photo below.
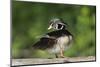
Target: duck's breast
(62, 43)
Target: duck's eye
(60, 26)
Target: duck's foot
(62, 57)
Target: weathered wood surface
(34, 61)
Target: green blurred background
(30, 21)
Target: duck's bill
(49, 27)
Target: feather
(44, 43)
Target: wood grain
(35, 61)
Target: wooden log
(36, 61)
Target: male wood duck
(56, 41)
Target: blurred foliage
(30, 21)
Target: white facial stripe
(59, 28)
(56, 26)
(62, 27)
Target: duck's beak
(49, 27)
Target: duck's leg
(62, 53)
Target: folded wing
(45, 43)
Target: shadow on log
(36, 61)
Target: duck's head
(57, 24)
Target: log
(38, 61)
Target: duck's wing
(50, 39)
(45, 43)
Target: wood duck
(56, 41)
